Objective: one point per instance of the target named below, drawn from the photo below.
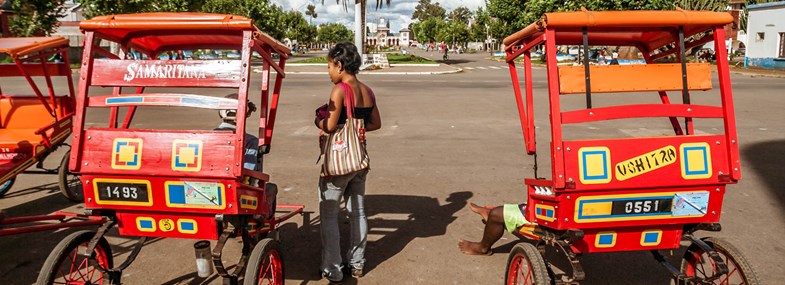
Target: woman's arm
(375, 121)
(334, 109)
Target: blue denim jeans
(352, 188)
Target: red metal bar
(70, 79)
(245, 75)
(264, 110)
(38, 228)
(274, 104)
(267, 58)
(30, 219)
(527, 46)
(85, 73)
(34, 86)
(296, 209)
(103, 52)
(531, 144)
(726, 92)
(640, 111)
(522, 111)
(557, 154)
(49, 87)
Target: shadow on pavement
(766, 160)
(393, 221)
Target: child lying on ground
(496, 219)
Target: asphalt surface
(446, 140)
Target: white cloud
(399, 12)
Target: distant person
(508, 216)
(343, 64)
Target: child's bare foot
(482, 211)
(473, 248)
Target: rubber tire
(260, 252)
(62, 181)
(4, 189)
(526, 252)
(72, 242)
(723, 248)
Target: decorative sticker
(248, 202)
(690, 203)
(185, 194)
(187, 226)
(145, 224)
(696, 160)
(166, 225)
(127, 154)
(545, 212)
(605, 240)
(594, 165)
(187, 155)
(646, 162)
(651, 237)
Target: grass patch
(320, 59)
(397, 58)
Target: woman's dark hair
(346, 53)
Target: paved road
(446, 140)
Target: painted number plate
(122, 192)
(641, 206)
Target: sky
(399, 13)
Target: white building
(379, 35)
(766, 35)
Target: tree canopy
(333, 33)
(35, 17)
(425, 10)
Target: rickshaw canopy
(649, 29)
(16, 47)
(152, 33)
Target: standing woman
(343, 63)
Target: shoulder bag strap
(348, 100)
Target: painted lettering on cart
(163, 71)
(645, 163)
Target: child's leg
(494, 228)
(481, 210)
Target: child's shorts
(513, 216)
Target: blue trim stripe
(124, 100)
(187, 226)
(604, 175)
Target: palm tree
(311, 12)
(359, 19)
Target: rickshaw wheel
(526, 266)
(70, 185)
(67, 265)
(6, 186)
(697, 263)
(265, 266)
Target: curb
(457, 70)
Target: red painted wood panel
(158, 151)
(633, 163)
(35, 69)
(167, 73)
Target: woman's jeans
(352, 188)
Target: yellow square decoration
(187, 155)
(594, 165)
(126, 153)
(696, 160)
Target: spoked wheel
(525, 266)
(6, 186)
(265, 266)
(67, 265)
(69, 184)
(697, 263)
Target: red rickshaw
(633, 193)
(188, 184)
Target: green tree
(334, 32)
(710, 5)
(359, 19)
(425, 10)
(460, 14)
(296, 28)
(479, 31)
(428, 30)
(453, 32)
(35, 17)
(265, 15)
(92, 8)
